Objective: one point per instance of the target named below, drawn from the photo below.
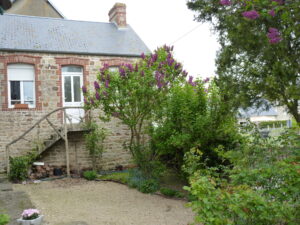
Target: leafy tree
(135, 92)
(260, 49)
(194, 116)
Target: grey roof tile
(40, 34)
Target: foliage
(223, 205)
(139, 181)
(118, 176)
(260, 49)
(4, 219)
(277, 124)
(193, 118)
(136, 91)
(94, 142)
(90, 175)
(150, 167)
(171, 193)
(20, 165)
(261, 187)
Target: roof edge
(70, 53)
(55, 8)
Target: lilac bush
(136, 91)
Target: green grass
(121, 177)
(171, 193)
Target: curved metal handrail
(45, 117)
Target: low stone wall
(79, 155)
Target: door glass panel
(76, 88)
(72, 69)
(67, 87)
(15, 93)
(28, 92)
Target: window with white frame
(21, 88)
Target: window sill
(21, 106)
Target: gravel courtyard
(79, 202)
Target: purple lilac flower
(184, 73)
(191, 81)
(154, 57)
(92, 101)
(177, 66)
(122, 72)
(225, 2)
(159, 79)
(84, 90)
(136, 67)
(274, 35)
(272, 13)
(166, 48)
(172, 48)
(130, 67)
(96, 85)
(97, 96)
(143, 55)
(105, 93)
(142, 73)
(206, 80)
(170, 61)
(107, 83)
(169, 56)
(252, 15)
(280, 2)
(85, 101)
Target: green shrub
(19, 166)
(90, 175)
(139, 181)
(262, 186)
(149, 186)
(194, 119)
(4, 219)
(120, 177)
(171, 193)
(94, 142)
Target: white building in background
(261, 116)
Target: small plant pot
(21, 106)
(37, 221)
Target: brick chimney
(117, 15)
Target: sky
(157, 22)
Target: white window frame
(72, 75)
(13, 77)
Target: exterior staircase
(58, 133)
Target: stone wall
(48, 89)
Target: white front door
(72, 80)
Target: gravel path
(79, 202)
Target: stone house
(44, 61)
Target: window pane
(67, 86)
(15, 94)
(113, 69)
(72, 69)
(28, 92)
(76, 87)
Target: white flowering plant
(30, 214)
